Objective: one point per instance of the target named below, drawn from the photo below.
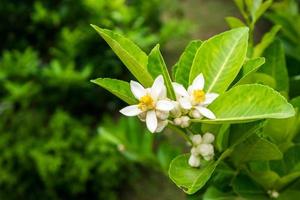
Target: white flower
(194, 161)
(153, 106)
(195, 99)
(196, 139)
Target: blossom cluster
(202, 149)
(157, 110)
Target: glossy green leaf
(129, 53)
(286, 180)
(234, 22)
(266, 179)
(260, 78)
(156, 66)
(247, 103)
(183, 66)
(188, 178)
(117, 87)
(253, 6)
(255, 148)
(220, 58)
(267, 39)
(213, 193)
(275, 66)
(262, 9)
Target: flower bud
(209, 157)
(273, 194)
(162, 115)
(161, 125)
(194, 151)
(196, 139)
(185, 121)
(194, 161)
(205, 149)
(176, 111)
(177, 121)
(208, 138)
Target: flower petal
(164, 105)
(185, 103)
(198, 82)
(206, 112)
(179, 90)
(157, 87)
(151, 121)
(209, 98)
(137, 89)
(131, 110)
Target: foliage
(50, 148)
(256, 125)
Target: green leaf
(253, 6)
(156, 66)
(222, 137)
(266, 179)
(234, 22)
(286, 180)
(260, 78)
(254, 149)
(248, 103)
(119, 88)
(267, 39)
(249, 68)
(214, 194)
(275, 66)
(129, 53)
(188, 178)
(183, 66)
(262, 9)
(220, 58)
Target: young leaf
(119, 88)
(234, 22)
(157, 66)
(267, 39)
(254, 149)
(276, 67)
(129, 53)
(183, 66)
(220, 58)
(188, 178)
(248, 103)
(262, 9)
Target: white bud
(194, 161)
(176, 111)
(194, 151)
(185, 121)
(205, 149)
(162, 115)
(195, 114)
(196, 139)
(208, 138)
(161, 125)
(177, 121)
(273, 194)
(121, 147)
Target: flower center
(199, 96)
(146, 103)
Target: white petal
(137, 89)
(179, 90)
(209, 98)
(131, 110)
(151, 121)
(198, 82)
(185, 103)
(161, 125)
(157, 87)
(164, 105)
(206, 112)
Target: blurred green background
(61, 136)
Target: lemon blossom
(195, 99)
(153, 106)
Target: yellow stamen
(199, 96)
(146, 103)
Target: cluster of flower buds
(273, 194)
(156, 109)
(202, 149)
